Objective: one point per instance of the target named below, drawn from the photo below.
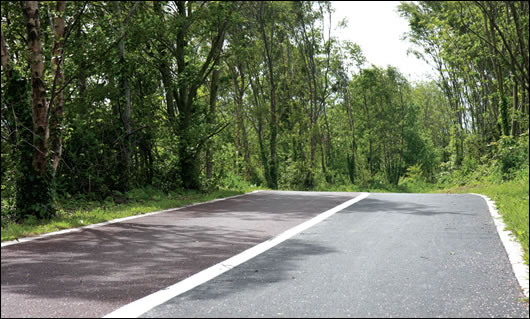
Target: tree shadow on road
(281, 263)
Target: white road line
(26, 239)
(511, 245)
(140, 306)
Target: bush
(511, 155)
(295, 175)
(469, 165)
(415, 173)
(415, 181)
(233, 181)
(140, 194)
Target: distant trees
(480, 49)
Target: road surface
(389, 255)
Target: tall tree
(269, 46)
(35, 191)
(191, 77)
(56, 120)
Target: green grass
(75, 213)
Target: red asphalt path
(91, 272)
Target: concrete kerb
(513, 248)
(26, 239)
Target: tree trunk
(166, 78)
(256, 88)
(214, 84)
(516, 107)
(273, 125)
(350, 158)
(239, 87)
(40, 107)
(56, 144)
(189, 143)
(5, 55)
(35, 183)
(126, 115)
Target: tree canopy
(100, 97)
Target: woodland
(101, 100)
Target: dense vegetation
(109, 100)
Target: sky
(377, 28)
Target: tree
(35, 187)
(191, 73)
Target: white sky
(377, 28)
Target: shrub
(511, 155)
(141, 194)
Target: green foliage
(143, 194)
(420, 149)
(34, 192)
(295, 175)
(511, 155)
(415, 180)
(234, 181)
(415, 173)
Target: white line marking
(140, 306)
(26, 239)
(511, 245)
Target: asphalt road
(389, 255)
(92, 272)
